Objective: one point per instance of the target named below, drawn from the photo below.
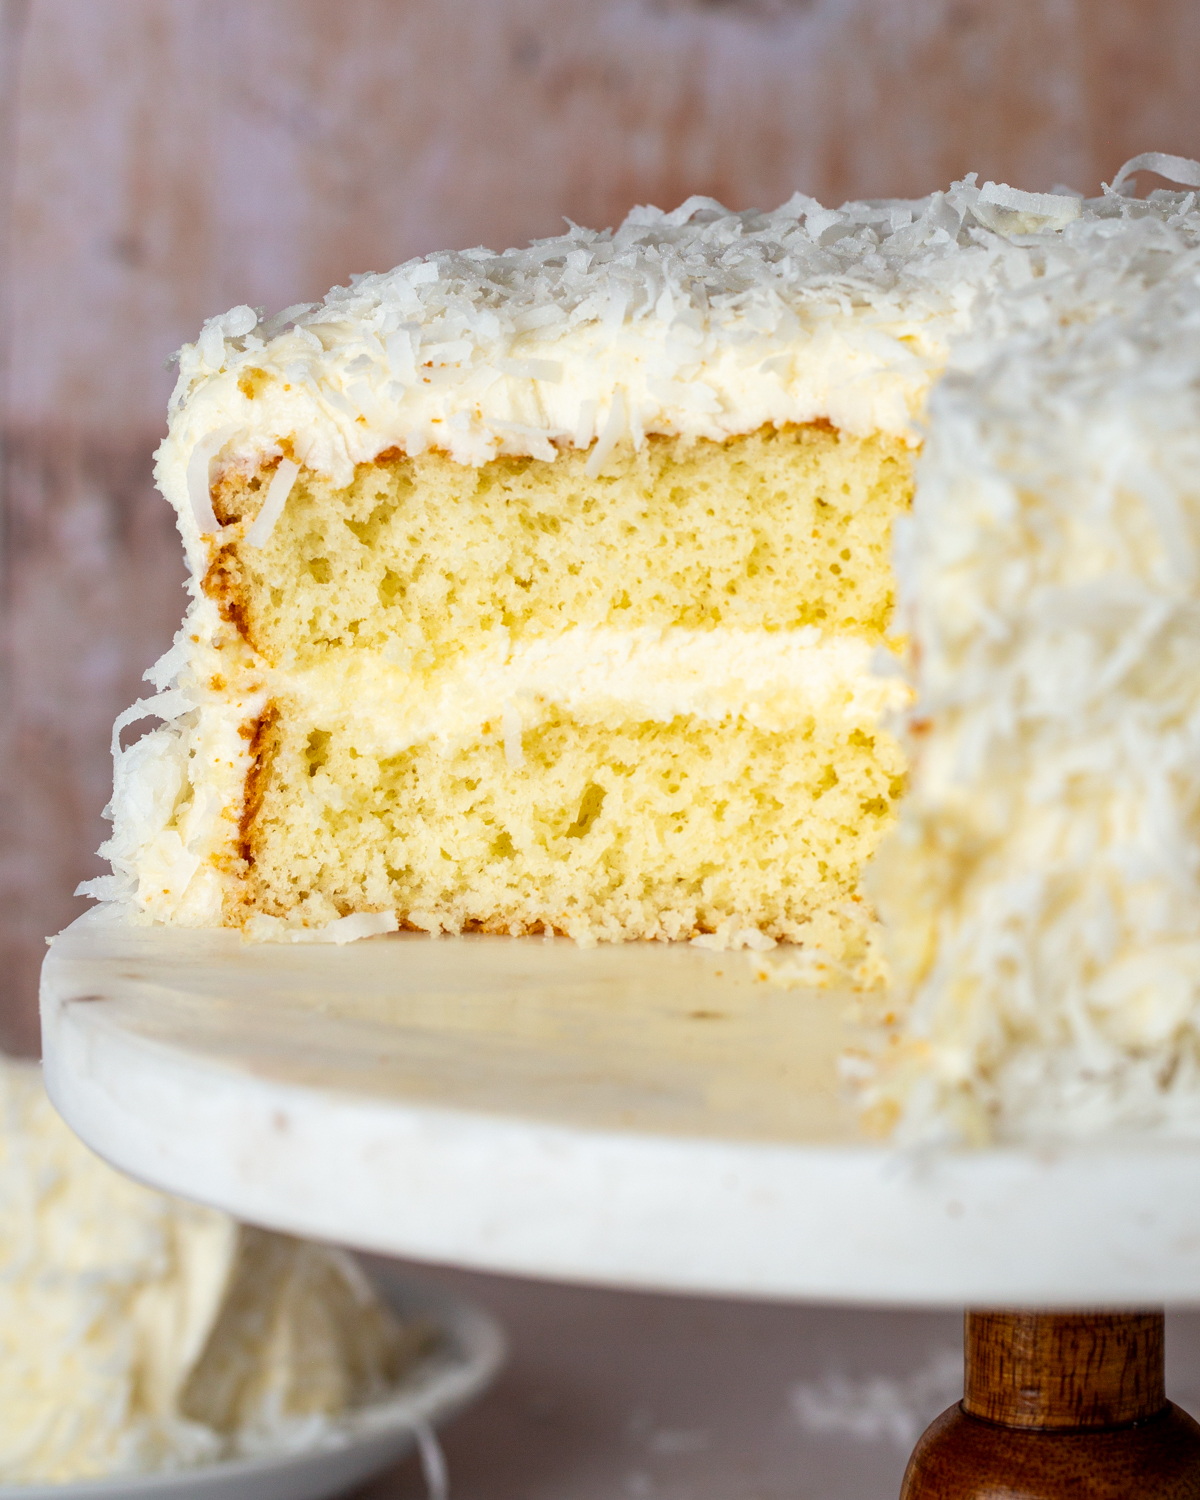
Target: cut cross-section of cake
(519, 696)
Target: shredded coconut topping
(259, 533)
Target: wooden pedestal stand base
(1058, 1405)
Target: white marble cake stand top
(641, 1115)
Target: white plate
(467, 1356)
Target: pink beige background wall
(161, 160)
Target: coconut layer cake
(556, 591)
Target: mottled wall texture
(162, 160)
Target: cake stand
(645, 1115)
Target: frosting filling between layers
(771, 679)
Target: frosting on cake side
(1043, 886)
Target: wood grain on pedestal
(1064, 1370)
(1058, 1405)
(966, 1458)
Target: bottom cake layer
(639, 830)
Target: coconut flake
(260, 529)
(238, 322)
(1010, 211)
(735, 933)
(234, 324)
(360, 924)
(199, 475)
(170, 663)
(615, 426)
(510, 725)
(585, 424)
(167, 706)
(1181, 169)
